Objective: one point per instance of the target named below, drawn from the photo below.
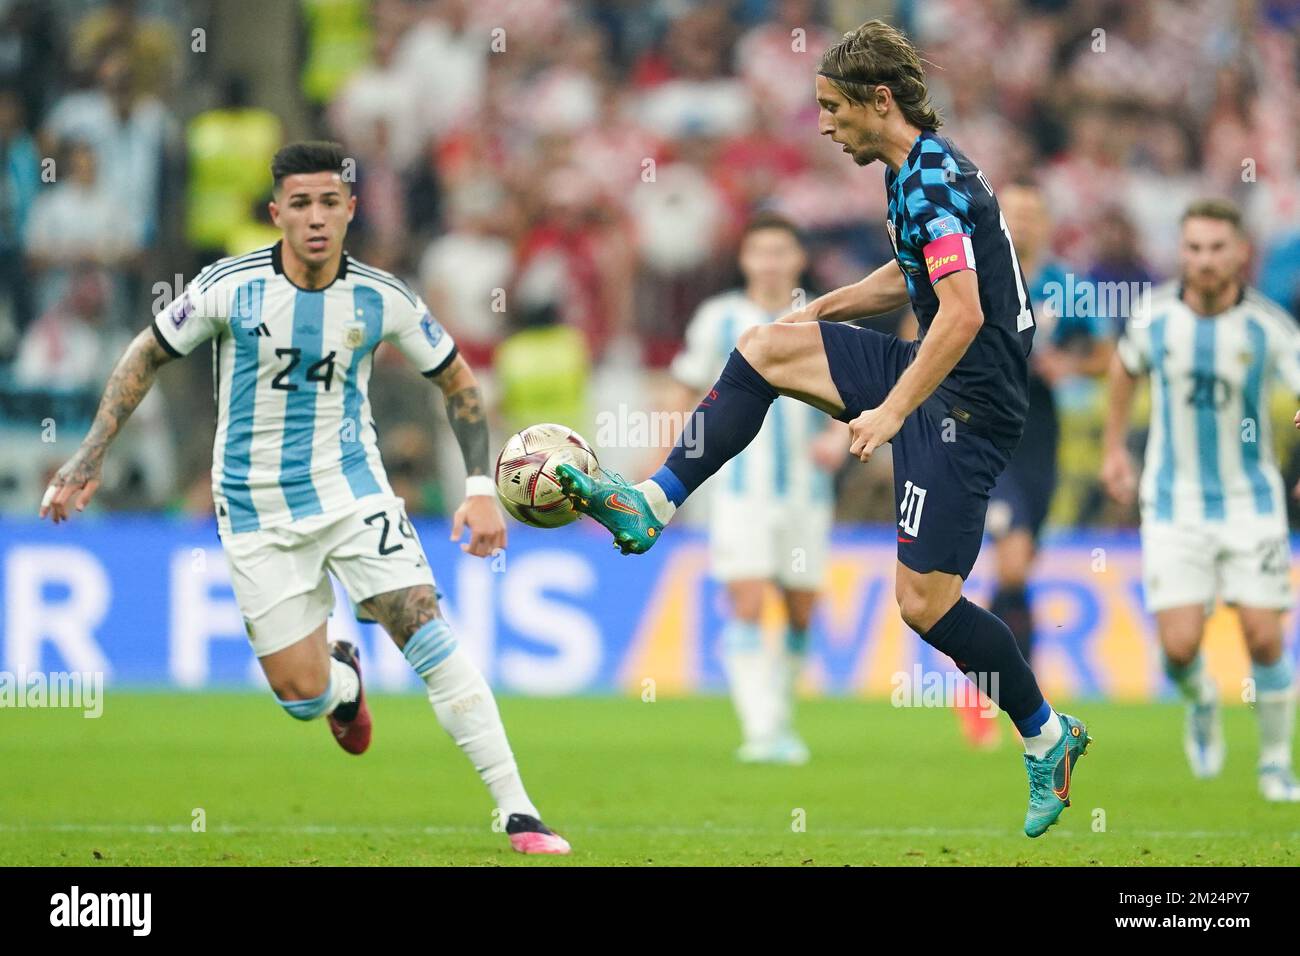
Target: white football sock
(1274, 709)
(660, 506)
(343, 685)
(790, 661)
(464, 705)
(750, 677)
(1275, 712)
(1048, 735)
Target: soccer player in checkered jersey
(1213, 514)
(297, 480)
(952, 404)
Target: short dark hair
(765, 220)
(1222, 209)
(314, 156)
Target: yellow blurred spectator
(542, 372)
(230, 150)
(338, 44)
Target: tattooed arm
(468, 416)
(126, 387)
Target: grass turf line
(629, 783)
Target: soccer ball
(525, 473)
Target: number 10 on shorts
(910, 508)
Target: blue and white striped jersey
(294, 430)
(777, 465)
(1209, 450)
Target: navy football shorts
(1021, 499)
(943, 470)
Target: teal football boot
(615, 504)
(1049, 778)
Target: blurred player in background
(952, 404)
(1065, 345)
(1214, 520)
(298, 483)
(770, 507)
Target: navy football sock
(1012, 605)
(726, 420)
(982, 646)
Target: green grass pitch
(629, 783)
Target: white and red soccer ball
(525, 473)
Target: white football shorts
(1247, 564)
(786, 542)
(280, 574)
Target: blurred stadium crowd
(565, 181)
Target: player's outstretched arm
(468, 416)
(1118, 475)
(76, 482)
(883, 291)
(955, 326)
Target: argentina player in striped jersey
(297, 480)
(770, 508)
(1211, 500)
(951, 404)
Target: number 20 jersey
(295, 436)
(1209, 455)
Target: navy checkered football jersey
(943, 217)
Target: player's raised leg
(1271, 670)
(464, 706)
(1180, 630)
(770, 360)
